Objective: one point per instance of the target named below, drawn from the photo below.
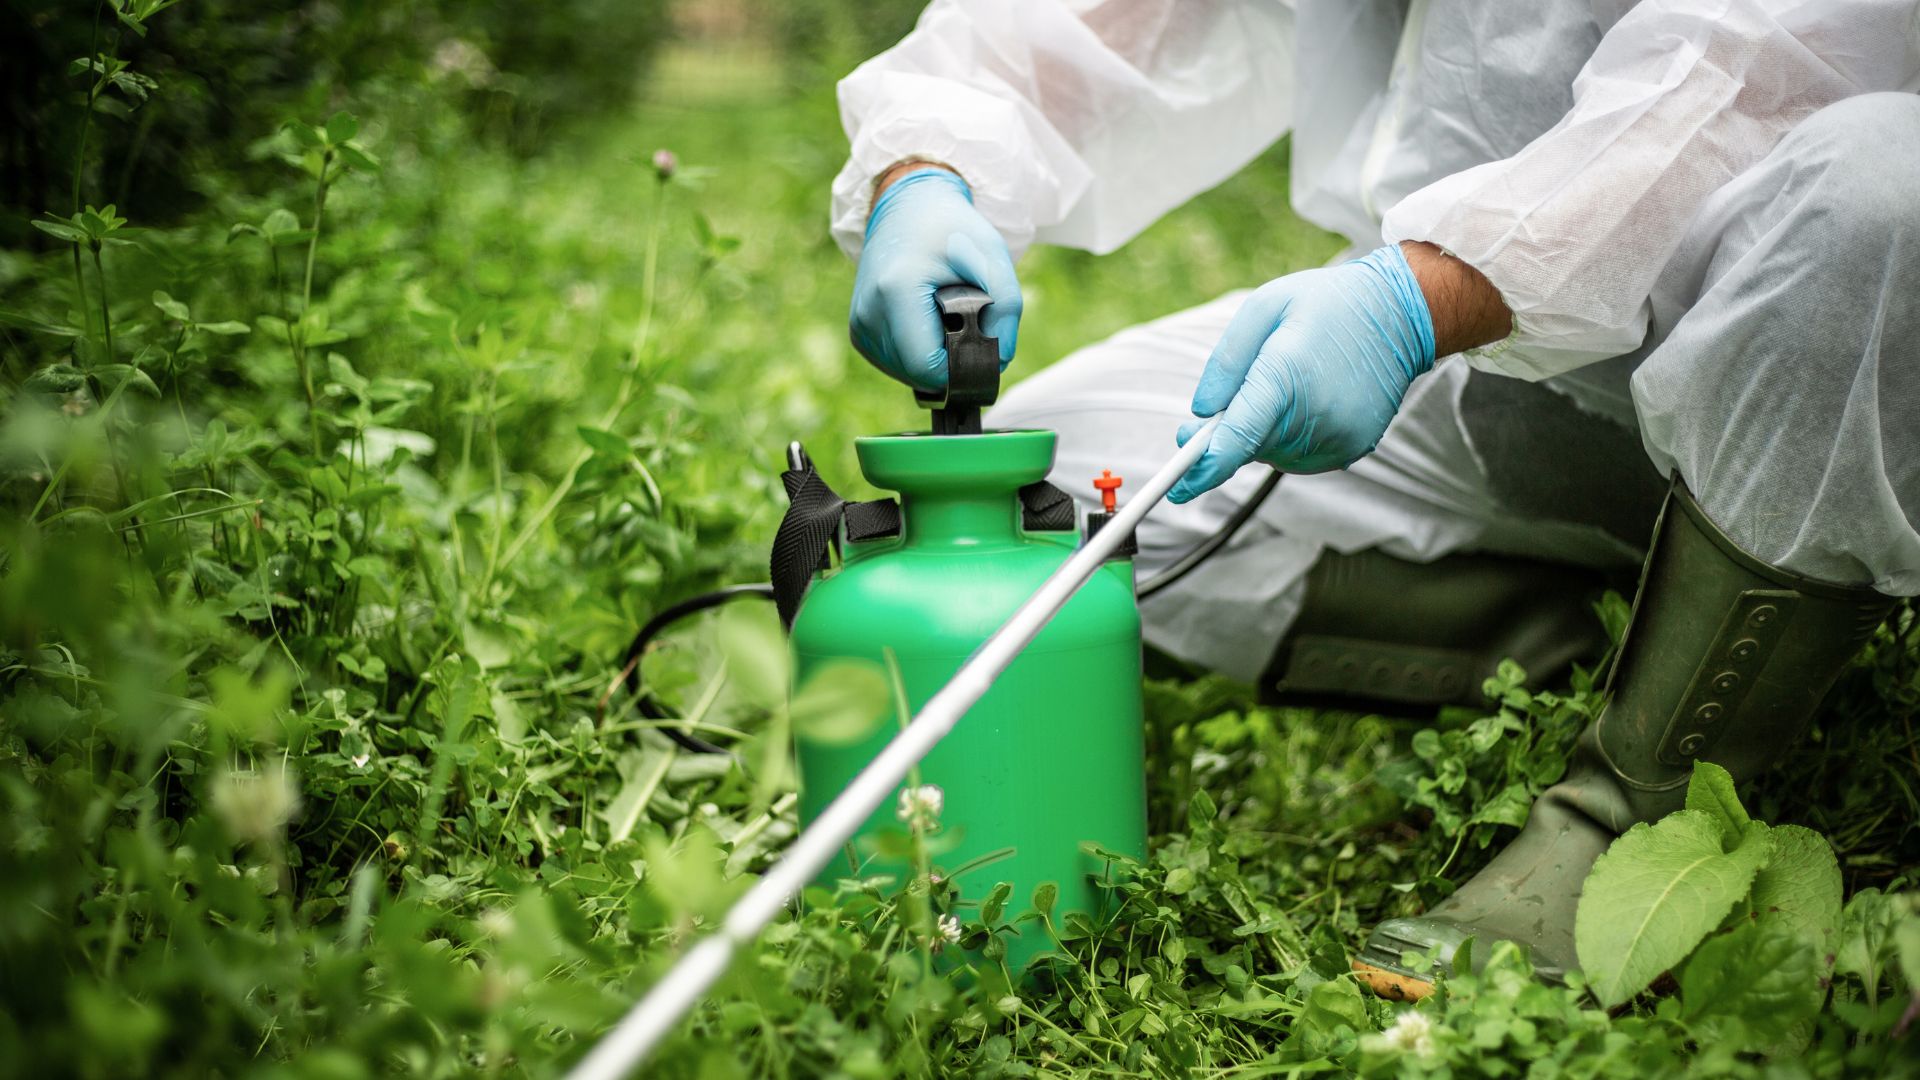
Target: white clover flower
(496, 923)
(1411, 1033)
(582, 294)
(255, 804)
(360, 760)
(950, 929)
(456, 56)
(921, 806)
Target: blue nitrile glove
(1311, 370)
(924, 234)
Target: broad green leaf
(171, 308)
(488, 644)
(56, 379)
(640, 777)
(841, 702)
(358, 158)
(226, 328)
(1710, 789)
(605, 442)
(1867, 925)
(38, 326)
(342, 126)
(1655, 894)
(1510, 806)
(114, 373)
(995, 905)
(1799, 888)
(245, 707)
(507, 720)
(62, 230)
(1768, 978)
(304, 135)
(1201, 811)
(133, 84)
(279, 224)
(1045, 895)
(381, 443)
(340, 369)
(327, 482)
(1334, 1012)
(689, 877)
(1906, 937)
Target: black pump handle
(973, 363)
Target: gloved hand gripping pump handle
(629, 1043)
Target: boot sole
(1392, 985)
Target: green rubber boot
(1388, 635)
(1725, 660)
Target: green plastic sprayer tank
(1051, 758)
(1049, 762)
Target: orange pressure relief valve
(1107, 485)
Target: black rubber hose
(1204, 550)
(647, 706)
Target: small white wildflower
(456, 56)
(1411, 1033)
(496, 923)
(921, 805)
(950, 929)
(582, 294)
(1208, 761)
(255, 804)
(360, 760)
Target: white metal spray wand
(649, 1021)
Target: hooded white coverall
(1704, 216)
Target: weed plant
(331, 506)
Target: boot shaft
(1725, 658)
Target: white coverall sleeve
(1075, 122)
(1679, 98)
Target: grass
(310, 762)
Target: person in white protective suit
(1676, 245)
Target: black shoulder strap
(811, 528)
(815, 513)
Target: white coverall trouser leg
(1781, 379)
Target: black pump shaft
(973, 363)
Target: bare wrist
(901, 168)
(1467, 310)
